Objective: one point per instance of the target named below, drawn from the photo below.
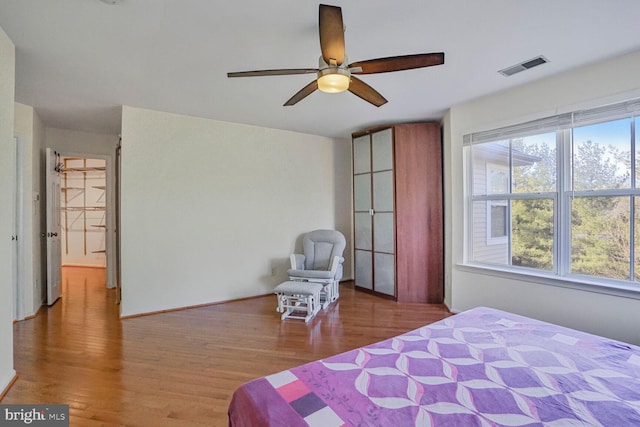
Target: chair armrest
(335, 263)
(297, 261)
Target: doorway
(83, 212)
(86, 213)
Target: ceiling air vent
(514, 69)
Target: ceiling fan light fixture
(333, 80)
(334, 70)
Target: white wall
(601, 83)
(71, 142)
(210, 210)
(7, 167)
(30, 131)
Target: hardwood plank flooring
(180, 368)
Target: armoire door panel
(383, 233)
(384, 274)
(362, 155)
(383, 191)
(362, 226)
(362, 192)
(382, 150)
(364, 269)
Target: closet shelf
(83, 208)
(83, 204)
(85, 169)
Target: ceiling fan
(335, 74)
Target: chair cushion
(298, 288)
(311, 274)
(320, 246)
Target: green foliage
(532, 233)
(600, 231)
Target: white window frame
(562, 125)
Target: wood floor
(179, 368)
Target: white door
(16, 265)
(54, 259)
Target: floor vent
(534, 62)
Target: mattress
(483, 367)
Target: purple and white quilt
(483, 367)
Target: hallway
(179, 368)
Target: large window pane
(600, 237)
(534, 163)
(602, 156)
(518, 233)
(532, 233)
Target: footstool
(298, 300)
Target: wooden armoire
(398, 212)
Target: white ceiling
(77, 61)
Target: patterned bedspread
(483, 367)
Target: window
(558, 196)
(497, 222)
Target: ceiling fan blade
(398, 63)
(283, 72)
(366, 92)
(303, 93)
(331, 34)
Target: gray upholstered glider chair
(321, 262)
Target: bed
(483, 367)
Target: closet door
(362, 219)
(383, 212)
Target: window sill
(582, 283)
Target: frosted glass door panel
(382, 155)
(362, 192)
(384, 274)
(383, 233)
(362, 224)
(361, 155)
(364, 269)
(383, 191)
